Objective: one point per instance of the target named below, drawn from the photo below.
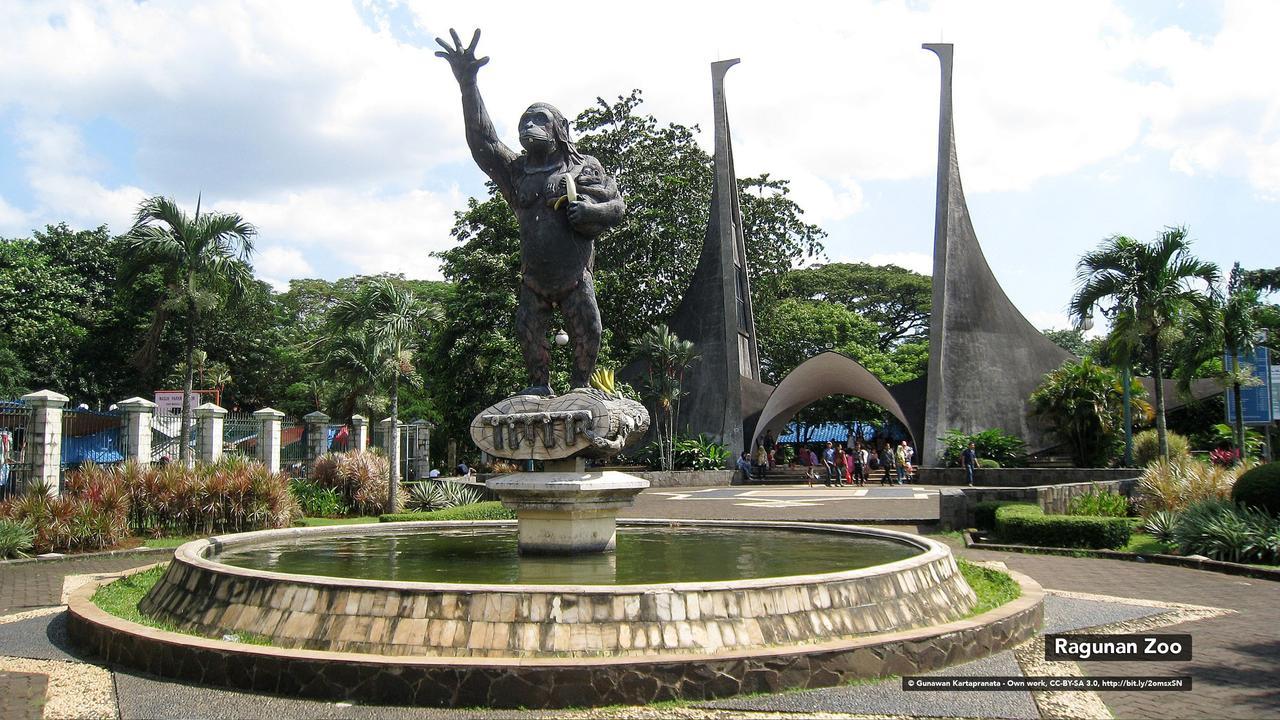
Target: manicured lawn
(169, 542)
(319, 521)
(992, 587)
(1147, 545)
(121, 598)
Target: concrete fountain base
(566, 512)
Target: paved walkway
(1235, 667)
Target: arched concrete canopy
(829, 373)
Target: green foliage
(700, 453)
(1146, 447)
(995, 444)
(121, 597)
(16, 538)
(1160, 525)
(1074, 342)
(1099, 503)
(1083, 404)
(490, 510)
(316, 500)
(666, 358)
(984, 513)
(992, 587)
(1259, 488)
(1181, 481)
(1223, 530)
(894, 301)
(988, 464)
(361, 477)
(1152, 292)
(440, 494)
(1029, 525)
(1221, 435)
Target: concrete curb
(1218, 566)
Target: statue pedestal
(567, 511)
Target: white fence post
(317, 436)
(44, 437)
(422, 449)
(137, 428)
(209, 421)
(359, 433)
(269, 437)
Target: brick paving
(1235, 665)
(22, 695)
(28, 585)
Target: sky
(332, 127)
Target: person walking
(970, 461)
(900, 461)
(840, 463)
(886, 464)
(829, 462)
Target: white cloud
(13, 222)
(276, 265)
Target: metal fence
(15, 467)
(293, 446)
(92, 436)
(165, 441)
(240, 434)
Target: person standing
(970, 461)
(850, 476)
(900, 461)
(762, 460)
(860, 464)
(829, 462)
(886, 464)
(840, 464)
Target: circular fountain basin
(201, 593)
(541, 642)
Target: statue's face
(536, 130)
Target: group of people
(837, 465)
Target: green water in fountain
(645, 555)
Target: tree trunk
(184, 448)
(1157, 367)
(1235, 390)
(1128, 415)
(393, 478)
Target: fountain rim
(198, 553)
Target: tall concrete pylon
(724, 387)
(985, 357)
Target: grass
(1144, 544)
(992, 587)
(121, 599)
(491, 510)
(322, 521)
(169, 542)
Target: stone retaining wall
(450, 620)
(547, 683)
(1024, 477)
(956, 505)
(687, 478)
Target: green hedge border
(1023, 523)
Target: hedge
(1259, 488)
(492, 510)
(984, 513)
(1029, 525)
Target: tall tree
(1152, 285)
(391, 320)
(667, 358)
(1240, 323)
(896, 300)
(199, 256)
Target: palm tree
(1239, 330)
(386, 322)
(1151, 285)
(198, 255)
(668, 357)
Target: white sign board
(169, 403)
(1275, 392)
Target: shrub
(438, 495)
(1259, 488)
(1099, 503)
(316, 500)
(995, 444)
(16, 538)
(91, 514)
(1179, 482)
(361, 477)
(984, 513)
(1028, 524)
(1222, 530)
(1160, 525)
(491, 510)
(988, 464)
(700, 453)
(1146, 447)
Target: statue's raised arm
(493, 157)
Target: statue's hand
(462, 60)
(582, 213)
